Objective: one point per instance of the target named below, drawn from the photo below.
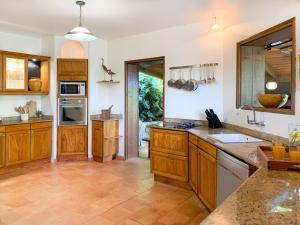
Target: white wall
(18, 43)
(183, 45)
(254, 20)
(98, 93)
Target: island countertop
(266, 197)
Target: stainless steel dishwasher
(231, 173)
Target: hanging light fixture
(271, 85)
(216, 26)
(80, 33)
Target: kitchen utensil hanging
(206, 75)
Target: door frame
(126, 93)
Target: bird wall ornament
(107, 71)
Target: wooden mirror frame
(290, 22)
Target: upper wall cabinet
(266, 70)
(24, 74)
(72, 69)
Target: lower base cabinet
(170, 166)
(41, 141)
(193, 166)
(17, 144)
(2, 147)
(72, 140)
(207, 179)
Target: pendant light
(80, 33)
(216, 26)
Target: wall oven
(72, 88)
(72, 111)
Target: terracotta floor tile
(90, 193)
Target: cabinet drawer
(41, 125)
(208, 148)
(193, 139)
(2, 129)
(169, 165)
(98, 124)
(168, 141)
(12, 128)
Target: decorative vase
(35, 84)
(24, 117)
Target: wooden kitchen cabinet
(105, 140)
(193, 166)
(72, 140)
(207, 179)
(17, 144)
(169, 141)
(2, 146)
(1, 72)
(170, 166)
(15, 73)
(41, 140)
(72, 69)
(169, 156)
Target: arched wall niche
(72, 49)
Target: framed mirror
(266, 78)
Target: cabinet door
(2, 150)
(72, 69)
(207, 183)
(97, 140)
(169, 165)
(15, 75)
(72, 140)
(17, 147)
(193, 166)
(168, 141)
(41, 143)
(111, 136)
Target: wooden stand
(265, 155)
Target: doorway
(144, 103)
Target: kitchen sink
(234, 138)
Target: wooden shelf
(108, 82)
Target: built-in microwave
(72, 88)
(72, 111)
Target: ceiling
(110, 19)
(107, 19)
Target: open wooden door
(132, 70)
(132, 111)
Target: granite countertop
(266, 197)
(16, 120)
(98, 117)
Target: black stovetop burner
(184, 125)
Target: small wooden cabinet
(72, 69)
(169, 155)
(72, 140)
(41, 140)
(17, 144)
(2, 146)
(105, 140)
(193, 166)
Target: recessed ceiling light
(216, 26)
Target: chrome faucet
(254, 121)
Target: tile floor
(91, 193)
